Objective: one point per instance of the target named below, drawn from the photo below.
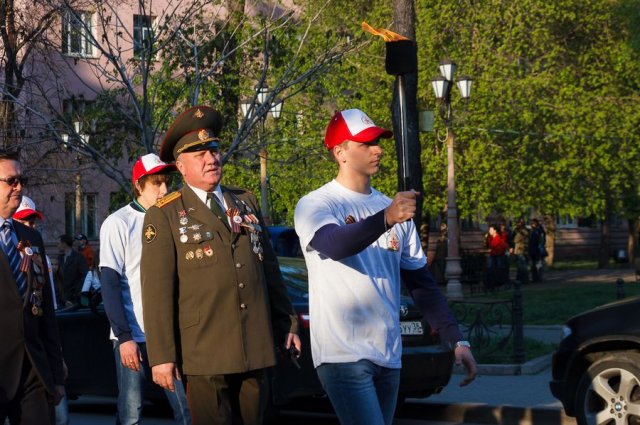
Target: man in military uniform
(206, 258)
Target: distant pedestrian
(537, 249)
(521, 251)
(28, 215)
(497, 272)
(84, 247)
(74, 270)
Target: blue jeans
(131, 392)
(361, 392)
(62, 412)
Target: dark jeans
(522, 274)
(497, 271)
(536, 268)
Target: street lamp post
(442, 88)
(83, 139)
(261, 103)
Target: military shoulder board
(168, 199)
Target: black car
(596, 368)
(427, 365)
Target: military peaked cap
(193, 130)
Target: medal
(199, 254)
(36, 302)
(184, 238)
(234, 214)
(27, 252)
(184, 221)
(189, 255)
(393, 244)
(208, 251)
(251, 218)
(197, 237)
(182, 230)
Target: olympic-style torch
(401, 59)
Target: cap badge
(198, 113)
(204, 134)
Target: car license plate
(411, 328)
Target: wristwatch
(463, 344)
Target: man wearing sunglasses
(31, 371)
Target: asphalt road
(102, 410)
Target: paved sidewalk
(493, 399)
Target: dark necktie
(13, 255)
(217, 207)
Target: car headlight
(566, 331)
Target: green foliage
(552, 123)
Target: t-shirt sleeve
(311, 214)
(113, 235)
(413, 256)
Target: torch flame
(383, 32)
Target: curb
(484, 414)
(532, 367)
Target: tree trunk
(404, 17)
(605, 241)
(632, 238)
(550, 241)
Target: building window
(566, 222)
(88, 220)
(141, 33)
(76, 107)
(77, 30)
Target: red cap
(149, 164)
(27, 207)
(355, 125)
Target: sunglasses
(14, 181)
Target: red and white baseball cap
(149, 164)
(27, 208)
(355, 125)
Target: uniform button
(243, 306)
(241, 285)
(238, 265)
(233, 246)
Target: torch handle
(405, 179)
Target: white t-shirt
(120, 250)
(354, 303)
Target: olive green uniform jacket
(210, 304)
